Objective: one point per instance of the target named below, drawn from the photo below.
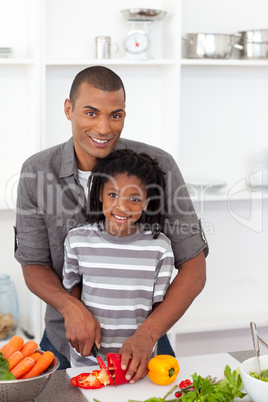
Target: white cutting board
(212, 364)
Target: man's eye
(116, 116)
(92, 114)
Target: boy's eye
(114, 195)
(135, 199)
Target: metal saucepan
(255, 35)
(208, 45)
(253, 50)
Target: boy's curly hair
(146, 169)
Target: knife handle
(94, 350)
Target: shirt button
(79, 194)
(59, 218)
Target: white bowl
(255, 388)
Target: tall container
(9, 309)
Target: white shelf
(9, 60)
(224, 62)
(111, 62)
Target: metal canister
(103, 47)
(9, 308)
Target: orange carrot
(14, 344)
(41, 365)
(23, 367)
(14, 359)
(36, 356)
(29, 348)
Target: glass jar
(9, 309)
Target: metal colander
(28, 389)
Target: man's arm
(188, 283)
(82, 329)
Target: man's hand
(138, 348)
(82, 329)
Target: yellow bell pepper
(163, 369)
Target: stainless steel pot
(255, 35)
(253, 50)
(208, 45)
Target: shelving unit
(209, 114)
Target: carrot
(14, 344)
(41, 365)
(14, 359)
(29, 348)
(23, 367)
(36, 356)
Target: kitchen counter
(59, 388)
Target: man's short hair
(99, 77)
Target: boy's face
(123, 198)
(97, 121)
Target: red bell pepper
(87, 380)
(114, 366)
(113, 374)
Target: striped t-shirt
(122, 278)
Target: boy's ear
(146, 204)
(100, 196)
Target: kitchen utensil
(253, 50)
(255, 35)
(208, 45)
(211, 364)
(143, 14)
(94, 350)
(103, 47)
(28, 389)
(256, 345)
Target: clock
(136, 44)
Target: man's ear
(68, 108)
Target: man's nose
(103, 125)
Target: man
(52, 199)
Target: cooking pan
(253, 50)
(255, 35)
(208, 45)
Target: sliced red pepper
(113, 374)
(87, 380)
(114, 366)
(104, 368)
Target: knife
(94, 350)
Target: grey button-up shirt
(51, 201)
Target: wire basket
(28, 389)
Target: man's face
(97, 119)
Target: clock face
(136, 41)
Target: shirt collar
(68, 163)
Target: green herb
(4, 369)
(3, 362)
(264, 375)
(210, 390)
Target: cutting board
(212, 364)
